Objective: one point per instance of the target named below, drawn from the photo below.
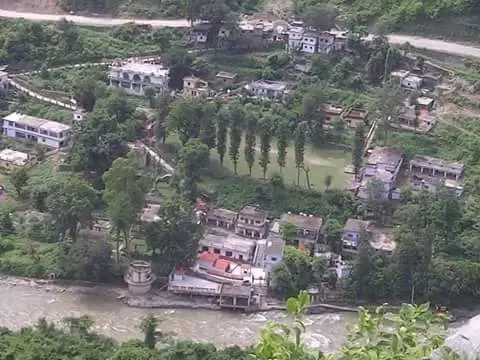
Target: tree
(185, 119)
(179, 235)
(289, 233)
(150, 94)
(149, 328)
(250, 141)
(283, 134)
(222, 129)
(313, 114)
(327, 181)
(299, 140)
(265, 133)
(282, 280)
(237, 118)
(124, 196)
(162, 104)
(207, 126)
(6, 223)
(321, 16)
(84, 92)
(87, 260)
(71, 201)
(357, 151)
(163, 38)
(192, 159)
(376, 201)
(385, 106)
(19, 179)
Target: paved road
(435, 45)
(92, 21)
(429, 44)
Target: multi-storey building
(41, 131)
(134, 77)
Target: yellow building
(194, 86)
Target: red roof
(208, 257)
(222, 264)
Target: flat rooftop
(385, 155)
(382, 239)
(437, 164)
(15, 157)
(197, 283)
(142, 68)
(229, 241)
(269, 85)
(303, 221)
(356, 225)
(253, 211)
(36, 122)
(222, 213)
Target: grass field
(321, 162)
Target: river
(22, 305)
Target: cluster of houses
(386, 164)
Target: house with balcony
(222, 218)
(308, 227)
(251, 222)
(134, 77)
(44, 132)
(430, 174)
(384, 164)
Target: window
(11, 123)
(240, 257)
(20, 135)
(20, 126)
(228, 253)
(274, 258)
(216, 251)
(204, 248)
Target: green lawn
(322, 162)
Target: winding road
(415, 41)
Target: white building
(267, 89)
(309, 43)
(134, 77)
(44, 132)
(228, 245)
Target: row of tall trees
(223, 127)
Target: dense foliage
(26, 44)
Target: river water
(23, 305)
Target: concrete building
(308, 227)
(228, 245)
(295, 36)
(251, 222)
(412, 82)
(267, 89)
(436, 167)
(201, 32)
(11, 159)
(139, 277)
(150, 213)
(430, 174)
(326, 41)
(182, 284)
(355, 117)
(44, 132)
(222, 218)
(269, 251)
(134, 77)
(384, 164)
(227, 76)
(194, 86)
(352, 233)
(309, 43)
